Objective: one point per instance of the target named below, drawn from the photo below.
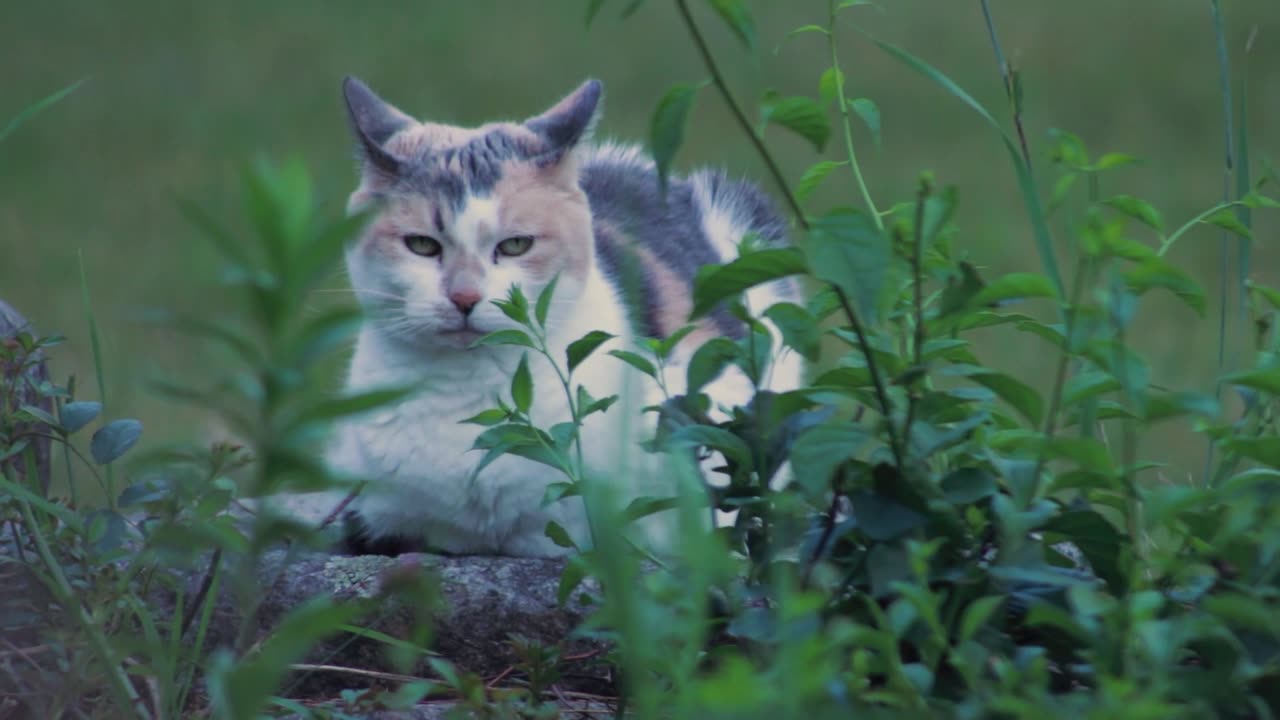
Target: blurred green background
(180, 93)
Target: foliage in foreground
(953, 542)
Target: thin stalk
(844, 121)
(877, 381)
(1010, 84)
(1224, 80)
(96, 346)
(117, 680)
(739, 116)
(917, 280)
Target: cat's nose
(464, 300)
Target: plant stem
(1010, 84)
(854, 167)
(917, 278)
(882, 393)
(718, 79)
(118, 680)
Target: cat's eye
(513, 246)
(423, 245)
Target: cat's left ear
(570, 121)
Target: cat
(458, 216)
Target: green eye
(423, 245)
(513, 246)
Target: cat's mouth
(463, 335)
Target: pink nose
(464, 300)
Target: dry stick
(780, 180)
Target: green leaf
(721, 282)
(846, 249)
(1098, 539)
(558, 535)
(807, 29)
(1265, 379)
(543, 305)
(487, 418)
(1021, 396)
(241, 689)
(510, 336)
(522, 385)
(709, 361)
(800, 330)
(645, 506)
(1014, 286)
(636, 361)
(1265, 450)
(582, 348)
(1227, 220)
(574, 573)
(666, 127)
(39, 415)
(1156, 272)
(37, 106)
(730, 445)
(820, 450)
(977, 615)
(738, 17)
(1114, 160)
(75, 415)
(883, 519)
(830, 83)
(349, 405)
(968, 485)
(814, 176)
(1138, 210)
(593, 9)
(867, 109)
(799, 114)
(114, 439)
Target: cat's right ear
(373, 122)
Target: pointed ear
(373, 122)
(569, 121)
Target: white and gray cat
(459, 215)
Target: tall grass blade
(29, 111)
(95, 344)
(1026, 183)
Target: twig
(1010, 84)
(205, 583)
(337, 510)
(498, 678)
(827, 530)
(741, 117)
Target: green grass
(178, 94)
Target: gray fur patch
(624, 194)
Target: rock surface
(479, 603)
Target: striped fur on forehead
(448, 164)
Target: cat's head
(459, 215)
